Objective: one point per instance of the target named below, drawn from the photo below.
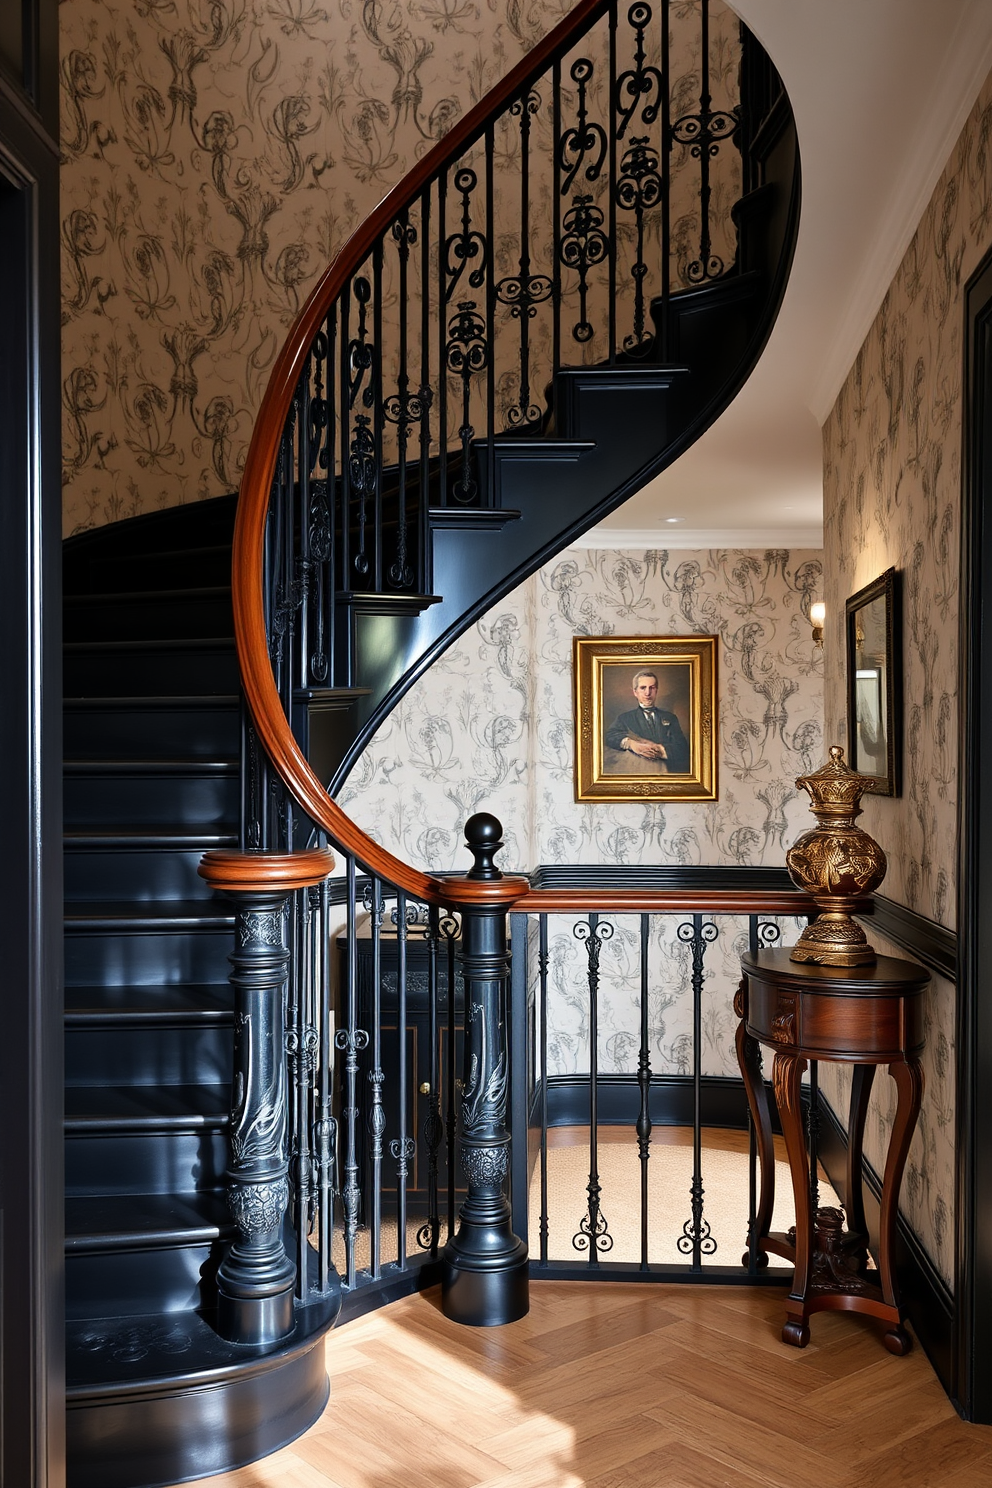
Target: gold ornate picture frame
(638, 739)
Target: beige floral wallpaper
(892, 487)
(216, 155)
(489, 727)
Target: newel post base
(256, 1279)
(485, 1273)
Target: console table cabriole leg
(864, 1075)
(787, 1074)
(749, 1059)
(909, 1084)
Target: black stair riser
(209, 800)
(165, 531)
(205, 730)
(128, 1283)
(147, 958)
(146, 670)
(142, 877)
(178, 1162)
(140, 1055)
(206, 1426)
(206, 568)
(148, 616)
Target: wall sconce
(817, 618)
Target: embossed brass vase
(837, 863)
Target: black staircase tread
(154, 915)
(151, 643)
(123, 596)
(107, 1358)
(161, 701)
(160, 1006)
(146, 1108)
(137, 841)
(133, 1221)
(190, 765)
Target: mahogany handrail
(261, 694)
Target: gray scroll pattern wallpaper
(217, 154)
(892, 492)
(489, 727)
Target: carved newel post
(484, 1281)
(256, 1278)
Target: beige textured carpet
(725, 1198)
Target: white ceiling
(881, 90)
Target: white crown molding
(746, 539)
(967, 63)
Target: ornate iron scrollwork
(361, 455)
(583, 245)
(638, 190)
(702, 133)
(639, 82)
(466, 354)
(593, 1233)
(584, 141)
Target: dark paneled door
(31, 1240)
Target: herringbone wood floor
(608, 1385)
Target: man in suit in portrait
(653, 734)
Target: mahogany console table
(873, 1015)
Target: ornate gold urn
(837, 863)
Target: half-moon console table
(871, 1016)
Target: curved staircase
(383, 509)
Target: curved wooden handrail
(249, 532)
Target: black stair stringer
(152, 741)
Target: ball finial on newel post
(484, 838)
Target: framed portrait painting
(645, 718)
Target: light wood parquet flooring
(609, 1385)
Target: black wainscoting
(929, 1303)
(973, 1387)
(925, 940)
(724, 1102)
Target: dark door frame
(973, 1239)
(32, 1372)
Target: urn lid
(835, 790)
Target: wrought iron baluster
(373, 902)
(644, 1086)
(524, 291)
(702, 133)
(429, 1233)
(404, 1146)
(330, 465)
(425, 576)
(404, 409)
(611, 328)
(302, 1046)
(582, 243)
(325, 1130)
(696, 1238)
(542, 971)
(638, 185)
(467, 348)
(351, 1040)
(557, 195)
(344, 424)
(362, 453)
(442, 364)
(377, 416)
(317, 556)
(490, 491)
(303, 464)
(593, 1233)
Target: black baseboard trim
(373, 1295)
(722, 1101)
(929, 1302)
(933, 944)
(630, 1271)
